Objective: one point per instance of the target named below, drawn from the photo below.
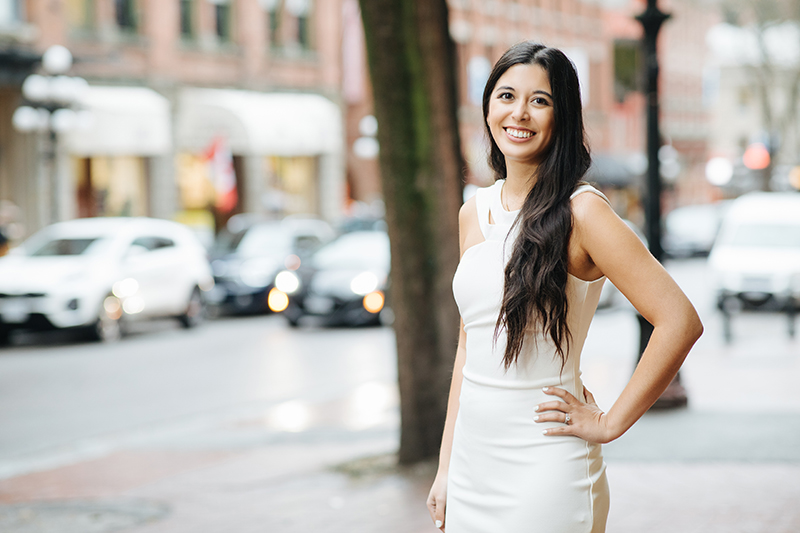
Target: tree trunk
(421, 168)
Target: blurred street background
(196, 321)
(250, 425)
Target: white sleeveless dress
(505, 476)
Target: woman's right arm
(438, 496)
(467, 225)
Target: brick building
(166, 79)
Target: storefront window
(194, 182)
(293, 184)
(112, 186)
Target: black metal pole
(651, 21)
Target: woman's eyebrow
(538, 91)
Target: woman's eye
(540, 101)
(505, 96)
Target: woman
(521, 445)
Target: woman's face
(520, 115)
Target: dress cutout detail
(505, 475)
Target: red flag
(220, 166)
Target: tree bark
(412, 65)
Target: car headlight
(364, 283)
(125, 288)
(257, 272)
(287, 281)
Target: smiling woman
(521, 449)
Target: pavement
(727, 463)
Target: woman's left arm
(612, 249)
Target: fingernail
(536, 417)
(546, 389)
(537, 408)
(544, 432)
(439, 523)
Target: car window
(765, 236)
(153, 242)
(307, 244)
(355, 250)
(265, 239)
(56, 247)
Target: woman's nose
(520, 111)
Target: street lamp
(651, 20)
(51, 108)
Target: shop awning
(255, 123)
(123, 121)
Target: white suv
(98, 273)
(756, 257)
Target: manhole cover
(78, 517)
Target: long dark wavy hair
(535, 294)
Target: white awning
(123, 121)
(254, 123)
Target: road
(235, 426)
(79, 399)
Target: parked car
(756, 258)
(99, 273)
(344, 283)
(250, 251)
(691, 230)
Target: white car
(97, 273)
(756, 258)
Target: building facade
(170, 83)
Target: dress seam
(591, 487)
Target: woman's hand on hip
(579, 419)
(437, 499)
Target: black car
(344, 283)
(249, 252)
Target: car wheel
(195, 310)
(108, 326)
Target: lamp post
(651, 20)
(50, 108)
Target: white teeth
(519, 134)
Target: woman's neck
(520, 179)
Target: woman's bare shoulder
(468, 214)
(588, 206)
(468, 226)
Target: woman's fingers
(561, 393)
(436, 506)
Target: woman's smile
(519, 133)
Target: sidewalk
(329, 480)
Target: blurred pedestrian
(536, 248)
